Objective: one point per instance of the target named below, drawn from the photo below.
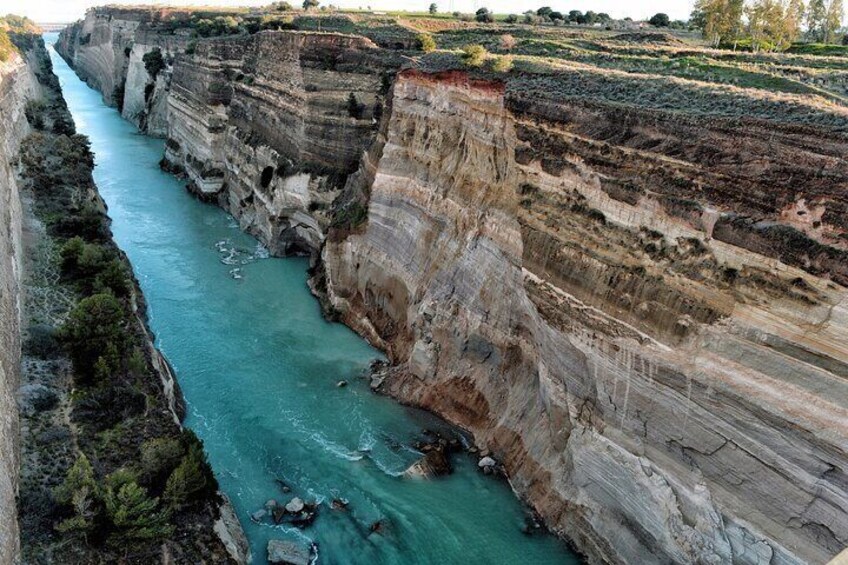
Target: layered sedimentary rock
(18, 85)
(107, 50)
(643, 316)
(272, 124)
(631, 289)
(268, 125)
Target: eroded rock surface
(18, 85)
(569, 290)
(630, 289)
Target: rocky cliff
(18, 85)
(630, 288)
(587, 290)
(108, 48)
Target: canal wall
(579, 268)
(18, 85)
(47, 195)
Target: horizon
(57, 11)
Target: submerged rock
(288, 553)
(258, 515)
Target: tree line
(767, 25)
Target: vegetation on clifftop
(14, 30)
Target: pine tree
(80, 491)
(135, 515)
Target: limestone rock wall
(664, 380)
(106, 49)
(268, 125)
(18, 84)
(634, 297)
(263, 124)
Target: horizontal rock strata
(630, 288)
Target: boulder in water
(341, 384)
(258, 515)
(270, 504)
(486, 462)
(434, 464)
(287, 553)
(295, 505)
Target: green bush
(502, 64)
(94, 268)
(193, 478)
(81, 492)
(94, 335)
(474, 55)
(159, 457)
(426, 42)
(354, 108)
(154, 62)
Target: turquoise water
(258, 367)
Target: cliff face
(271, 125)
(107, 50)
(17, 86)
(631, 289)
(268, 125)
(663, 378)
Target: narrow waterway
(258, 367)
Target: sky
(46, 11)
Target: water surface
(258, 367)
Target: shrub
(118, 96)
(473, 55)
(483, 15)
(112, 278)
(660, 20)
(508, 42)
(511, 19)
(86, 222)
(153, 62)
(426, 42)
(354, 108)
(42, 342)
(6, 46)
(193, 478)
(159, 457)
(93, 268)
(502, 64)
(93, 331)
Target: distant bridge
(53, 26)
